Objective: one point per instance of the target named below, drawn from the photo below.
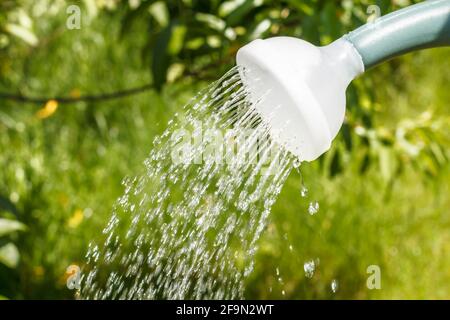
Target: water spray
(304, 85)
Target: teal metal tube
(423, 25)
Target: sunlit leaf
(22, 33)
(211, 20)
(227, 7)
(9, 255)
(213, 41)
(176, 40)
(91, 8)
(8, 226)
(388, 162)
(237, 15)
(195, 43)
(160, 12)
(174, 72)
(260, 28)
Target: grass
(63, 174)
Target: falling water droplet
(334, 286)
(313, 207)
(303, 191)
(309, 267)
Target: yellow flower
(49, 109)
(38, 271)
(75, 93)
(75, 220)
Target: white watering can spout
(308, 85)
(300, 88)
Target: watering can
(307, 83)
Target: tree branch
(85, 98)
(106, 96)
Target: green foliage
(9, 253)
(16, 32)
(214, 30)
(9, 226)
(383, 187)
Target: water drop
(303, 191)
(334, 286)
(313, 207)
(309, 267)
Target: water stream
(188, 227)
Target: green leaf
(329, 21)
(195, 43)
(336, 165)
(227, 7)
(347, 136)
(7, 205)
(8, 226)
(236, 17)
(365, 163)
(160, 13)
(259, 29)
(211, 21)
(175, 71)
(388, 162)
(91, 8)
(22, 33)
(132, 15)
(161, 59)
(9, 255)
(177, 40)
(302, 7)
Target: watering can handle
(420, 26)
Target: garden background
(383, 188)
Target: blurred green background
(383, 188)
